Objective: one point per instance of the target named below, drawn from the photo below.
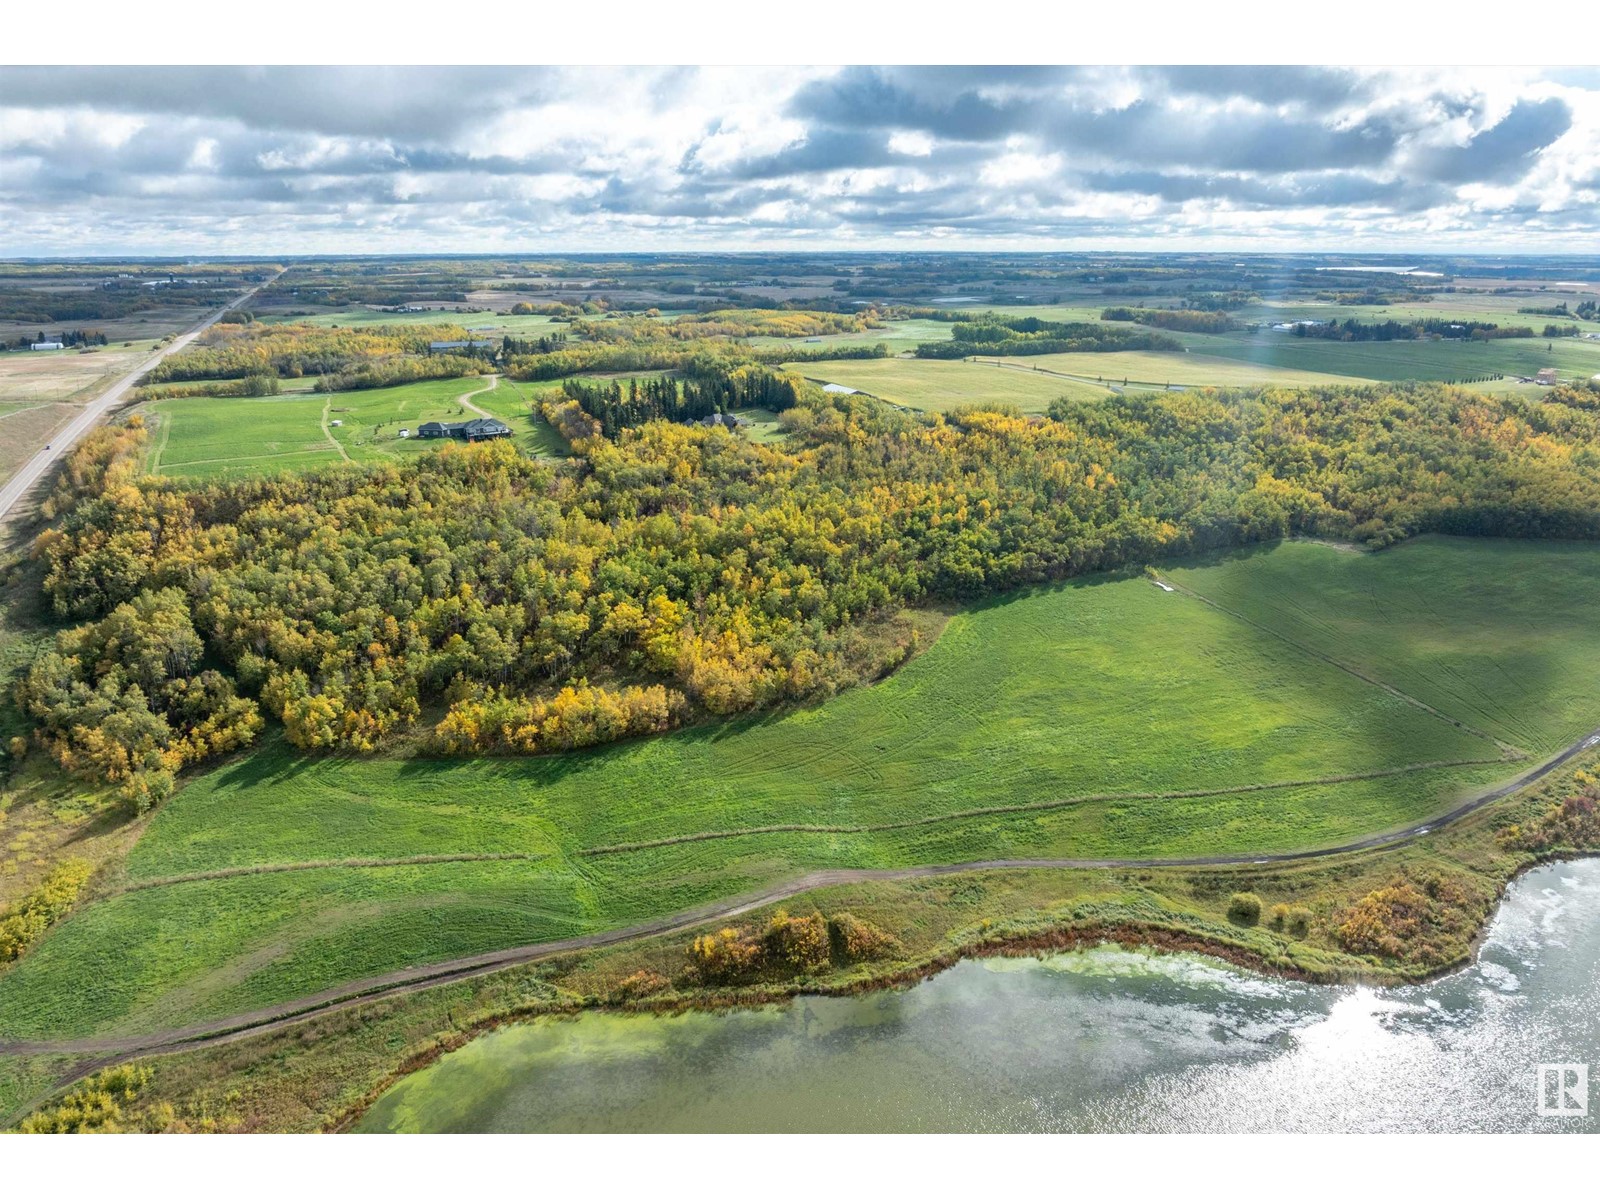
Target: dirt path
(327, 430)
(412, 979)
(465, 399)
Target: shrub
(726, 956)
(796, 944)
(855, 940)
(1299, 921)
(94, 1106)
(1244, 908)
(640, 983)
(21, 925)
(1423, 924)
(1280, 916)
(1575, 822)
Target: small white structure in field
(838, 389)
(47, 346)
(335, 424)
(1165, 587)
(405, 433)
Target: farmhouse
(1547, 377)
(479, 429)
(478, 344)
(47, 346)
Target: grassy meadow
(939, 385)
(210, 436)
(1079, 709)
(1278, 353)
(1160, 369)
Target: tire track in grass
(327, 432)
(326, 864)
(1031, 806)
(419, 978)
(1506, 748)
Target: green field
(1280, 352)
(210, 436)
(938, 385)
(1082, 708)
(1160, 369)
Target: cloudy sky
(324, 159)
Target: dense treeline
(1372, 298)
(389, 372)
(771, 322)
(734, 573)
(672, 355)
(504, 723)
(113, 300)
(705, 388)
(1219, 301)
(510, 346)
(1374, 464)
(248, 385)
(294, 351)
(125, 699)
(1588, 310)
(999, 334)
(1352, 330)
(1188, 320)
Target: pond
(1103, 1040)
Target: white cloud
(316, 160)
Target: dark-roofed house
(479, 429)
(484, 429)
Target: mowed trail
(413, 979)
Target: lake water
(1106, 1040)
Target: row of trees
(706, 387)
(1189, 320)
(1588, 310)
(787, 946)
(499, 722)
(1352, 330)
(999, 334)
(293, 351)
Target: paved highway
(20, 484)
